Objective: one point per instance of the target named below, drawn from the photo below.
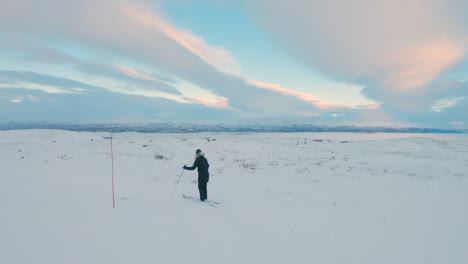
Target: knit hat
(198, 151)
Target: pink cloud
(211, 103)
(393, 48)
(277, 88)
(134, 73)
(370, 106)
(419, 64)
(215, 56)
(307, 97)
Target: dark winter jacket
(202, 164)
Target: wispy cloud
(215, 56)
(103, 105)
(370, 106)
(312, 99)
(444, 103)
(46, 83)
(135, 73)
(44, 88)
(457, 123)
(277, 88)
(211, 103)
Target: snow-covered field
(285, 198)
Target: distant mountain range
(174, 127)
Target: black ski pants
(203, 190)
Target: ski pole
(177, 183)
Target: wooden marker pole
(112, 158)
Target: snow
(285, 198)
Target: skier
(203, 175)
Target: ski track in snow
(286, 198)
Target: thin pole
(177, 182)
(112, 158)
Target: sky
(337, 62)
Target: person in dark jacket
(203, 175)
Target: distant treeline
(172, 127)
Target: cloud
(144, 56)
(49, 97)
(23, 48)
(137, 32)
(277, 88)
(135, 73)
(215, 56)
(457, 123)
(310, 98)
(46, 83)
(30, 51)
(101, 105)
(441, 104)
(212, 103)
(387, 46)
(420, 64)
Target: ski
(207, 202)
